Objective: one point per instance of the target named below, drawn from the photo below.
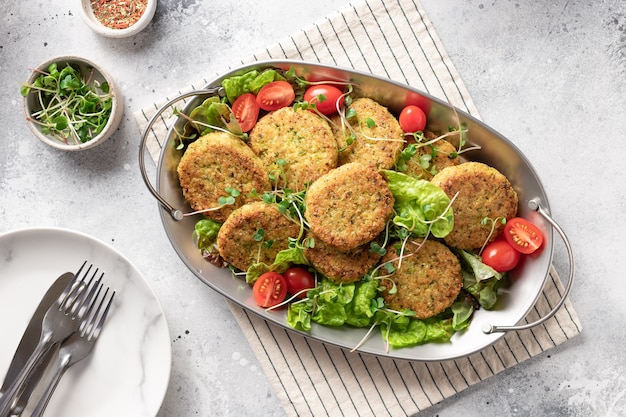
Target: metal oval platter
(527, 279)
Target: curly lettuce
(421, 207)
(249, 82)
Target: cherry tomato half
(326, 98)
(412, 119)
(269, 289)
(298, 280)
(523, 235)
(275, 95)
(246, 111)
(500, 256)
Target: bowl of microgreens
(118, 19)
(71, 104)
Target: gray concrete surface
(548, 75)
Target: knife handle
(8, 398)
(62, 366)
(23, 396)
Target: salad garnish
(75, 107)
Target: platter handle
(174, 212)
(534, 205)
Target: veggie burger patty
(301, 140)
(427, 281)
(483, 192)
(379, 139)
(349, 206)
(236, 239)
(212, 164)
(338, 266)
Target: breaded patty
(432, 158)
(427, 282)
(215, 162)
(301, 140)
(349, 206)
(236, 239)
(483, 192)
(379, 137)
(341, 267)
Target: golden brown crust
(299, 138)
(235, 240)
(483, 192)
(215, 162)
(427, 282)
(341, 267)
(349, 206)
(379, 145)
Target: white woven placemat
(394, 39)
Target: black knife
(29, 342)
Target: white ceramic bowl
(31, 103)
(90, 19)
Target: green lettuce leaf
(205, 233)
(480, 271)
(238, 85)
(334, 305)
(361, 310)
(212, 112)
(286, 257)
(250, 82)
(480, 280)
(299, 315)
(419, 203)
(263, 79)
(254, 271)
(462, 311)
(411, 332)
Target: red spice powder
(118, 14)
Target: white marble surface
(548, 75)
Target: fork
(62, 319)
(77, 346)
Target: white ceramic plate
(128, 372)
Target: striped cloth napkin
(394, 39)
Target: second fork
(77, 346)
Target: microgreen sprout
(350, 133)
(230, 126)
(222, 201)
(493, 223)
(75, 107)
(378, 249)
(259, 235)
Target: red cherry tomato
(419, 101)
(326, 97)
(298, 280)
(412, 119)
(246, 111)
(269, 289)
(523, 235)
(500, 256)
(275, 95)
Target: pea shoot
(75, 107)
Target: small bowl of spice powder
(118, 18)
